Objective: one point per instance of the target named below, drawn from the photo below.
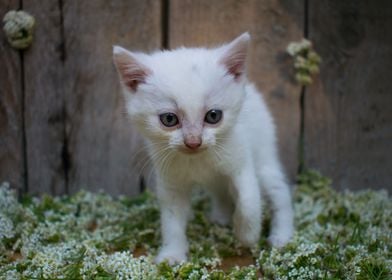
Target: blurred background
(62, 122)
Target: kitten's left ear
(234, 55)
(132, 72)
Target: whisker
(151, 158)
(162, 161)
(166, 162)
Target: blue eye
(168, 119)
(213, 116)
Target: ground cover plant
(94, 236)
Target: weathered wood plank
(103, 147)
(272, 24)
(348, 117)
(12, 164)
(44, 102)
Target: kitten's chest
(195, 170)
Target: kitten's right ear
(131, 71)
(234, 55)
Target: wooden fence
(62, 122)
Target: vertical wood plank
(348, 117)
(103, 147)
(272, 24)
(44, 102)
(12, 164)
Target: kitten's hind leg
(222, 206)
(175, 210)
(247, 215)
(275, 187)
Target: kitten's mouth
(188, 151)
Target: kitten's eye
(168, 119)
(213, 116)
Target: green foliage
(374, 270)
(339, 235)
(166, 271)
(75, 263)
(93, 236)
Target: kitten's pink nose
(193, 143)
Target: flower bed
(94, 236)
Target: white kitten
(205, 124)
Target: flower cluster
(306, 61)
(19, 27)
(94, 236)
(338, 235)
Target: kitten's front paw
(248, 239)
(248, 233)
(279, 240)
(171, 256)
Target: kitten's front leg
(278, 191)
(247, 215)
(175, 206)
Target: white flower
(126, 266)
(296, 47)
(6, 227)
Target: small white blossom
(94, 235)
(6, 227)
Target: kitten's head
(186, 99)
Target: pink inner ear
(131, 72)
(133, 76)
(235, 64)
(234, 56)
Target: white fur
(238, 161)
